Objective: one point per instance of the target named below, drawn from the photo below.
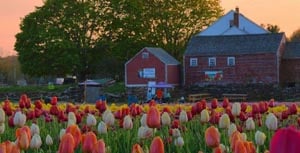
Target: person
(149, 95)
(181, 99)
(167, 97)
(159, 95)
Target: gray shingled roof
(162, 55)
(234, 44)
(292, 50)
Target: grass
(34, 88)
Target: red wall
(248, 68)
(290, 71)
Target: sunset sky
(283, 13)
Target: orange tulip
(236, 136)
(9, 147)
(157, 145)
(136, 148)
(75, 131)
(2, 148)
(23, 137)
(212, 137)
(153, 117)
(249, 147)
(88, 142)
(239, 147)
(99, 147)
(67, 144)
(217, 149)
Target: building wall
(290, 71)
(173, 76)
(138, 63)
(256, 68)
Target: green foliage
(76, 37)
(295, 36)
(118, 87)
(57, 88)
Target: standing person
(159, 95)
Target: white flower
(176, 132)
(34, 129)
(179, 142)
(250, 125)
(165, 119)
(127, 124)
(145, 132)
(236, 109)
(204, 116)
(19, 119)
(224, 121)
(102, 128)
(244, 136)
(2, 115)
(71, 118)
(271, 121)
(91, 120)
(260, 138)
(144, 120)
(183, 116)
(2, 128)
(232, 128)
(109, 119)
(61, 133)
(105, 113)
(35, 142)
(49, 140)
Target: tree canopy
(295, 36)
(83, 37)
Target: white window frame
(193, 62)
(228, 61)
(145, 55)
(212, 61)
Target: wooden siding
(290, 71)
(173, 76)
(254, 68)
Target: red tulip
(215, 117)
(101, 106)
(214, 103)
(285, 140)
(76, 133)
(175, 124)
(271, 103)
(212, 137)
(157, 145)
(243, 107)
(255, 108)
(225, 102)
(38, 104)
(53, 100)
(292, 109)
(67, 144)
(99, 147)
(88, 142)
(153, 117)
(136, 148)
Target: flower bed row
(214, 126)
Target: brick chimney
(236, 17)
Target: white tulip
(2, 115)
(61, 133)
(236, 109)
(179, 142)
(271, 122)
(183, 116)
(244, 136)
(105, 113)
(49, 140)
(260, 138)
(34, 129)
(145, 132)
(250, 125)
(109, 119)
(19, 119)
(176, 132)
(91, 120)
(71, 118)
(127, 124)
(204, 116)
(165, 119)
(102, 128)
(144, 120)
(35, 142)
(224, 121)
(232, 128)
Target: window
(193, 62)
(230, 61)
(145, 55)
(212, 61)
(146, 73)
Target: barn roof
(292, 50)
(234, 44)
(162, 55)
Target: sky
(283, 13)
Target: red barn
(290, 73)
(151, 64)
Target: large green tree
(90, 36)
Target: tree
(273, 28)
(295, 36)
(75, 37)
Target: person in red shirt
(159, 95)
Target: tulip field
(214, 126)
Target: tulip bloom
(88, 141)
(99, 147)
(260, 138)
(165, 119)
(67, 144)
(75, 132)
(250, 125)
(23, 136)
(49, 140)
(36, 141)
(271, 121)
(2, 115)
(91, 120)
(285, 140)
(102, 128)
(236, 109)
(204, 116)
(34, 129)
(9, 147)
(2, 128)
(19, 119)
(157, 145)
(179, 142)
(136, 148)
(127, 124)
(224, 121)
(153, 117)
(183, 116)
(212, 137)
